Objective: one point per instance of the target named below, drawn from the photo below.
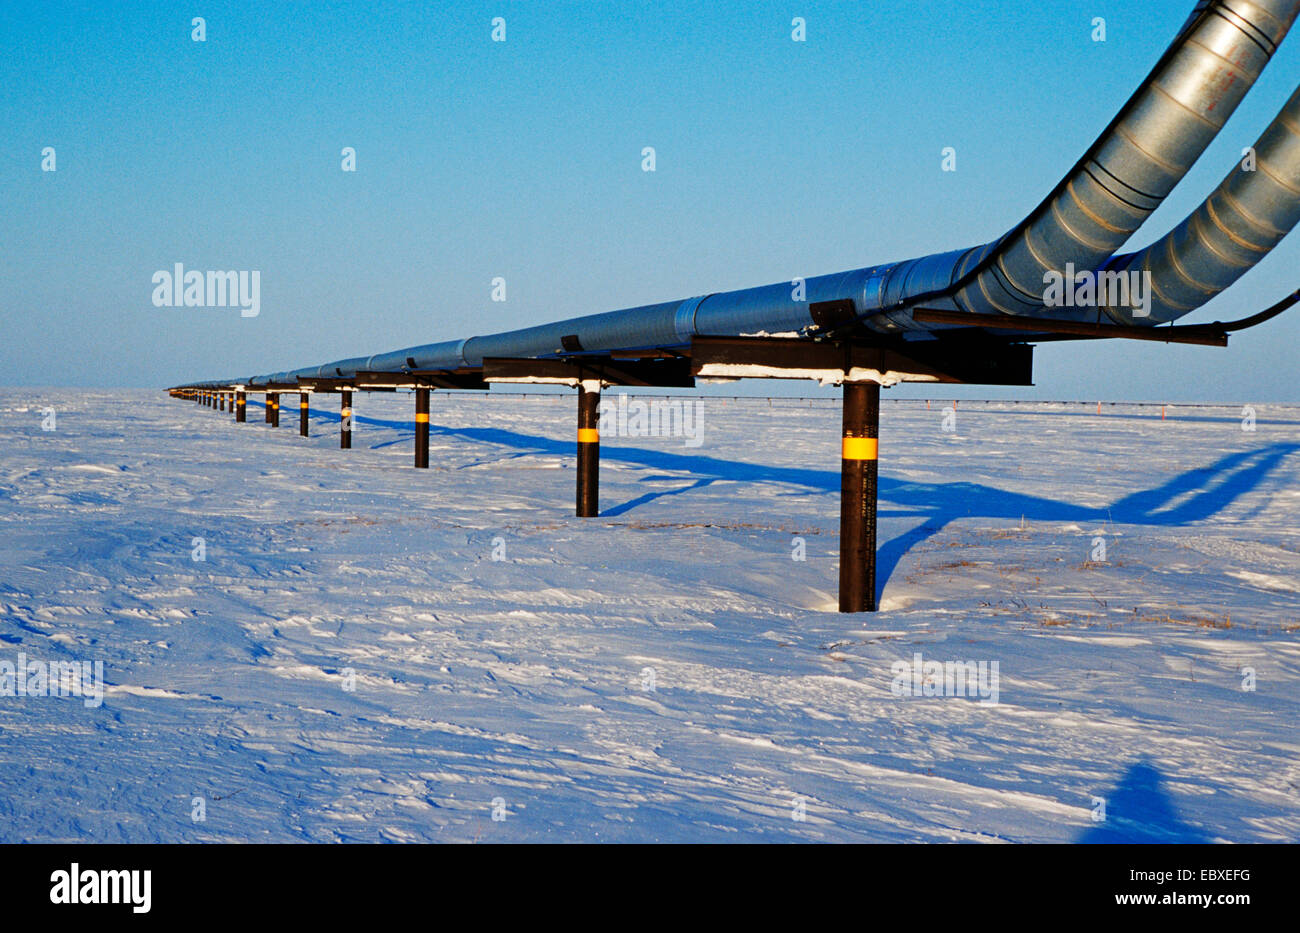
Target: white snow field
(667, 671)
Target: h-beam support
(303, 412)
(858, 477)
(588, 505)
(422, 428)
(345, 429)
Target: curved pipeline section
(1151, 146)
(1153, 141)
(1234, 228)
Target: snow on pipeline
(221, 632)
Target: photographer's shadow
(1140, 811)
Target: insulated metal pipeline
(1154, 140)
(1234, 228)
(1123, 178)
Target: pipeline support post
(858, 478)
(588, 448)
(345, 425)
(241, 401)
(422, 428)
(303, 412)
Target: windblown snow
(372, 652)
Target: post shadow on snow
(1140, 810)
(1193, 496)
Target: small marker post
(858, 481)
(422, 428)
(345, 431)
(588, 504)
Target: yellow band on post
(421, 418)
(588, 436)
(860, 448)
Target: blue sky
(522, 159)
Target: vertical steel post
(588, 449)
(858, 475)
(422, 428)
(345, 431)
(303, 411)
(240, 412)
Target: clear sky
(522, 159)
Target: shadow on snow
(1193, 496)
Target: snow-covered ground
(667, 671)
